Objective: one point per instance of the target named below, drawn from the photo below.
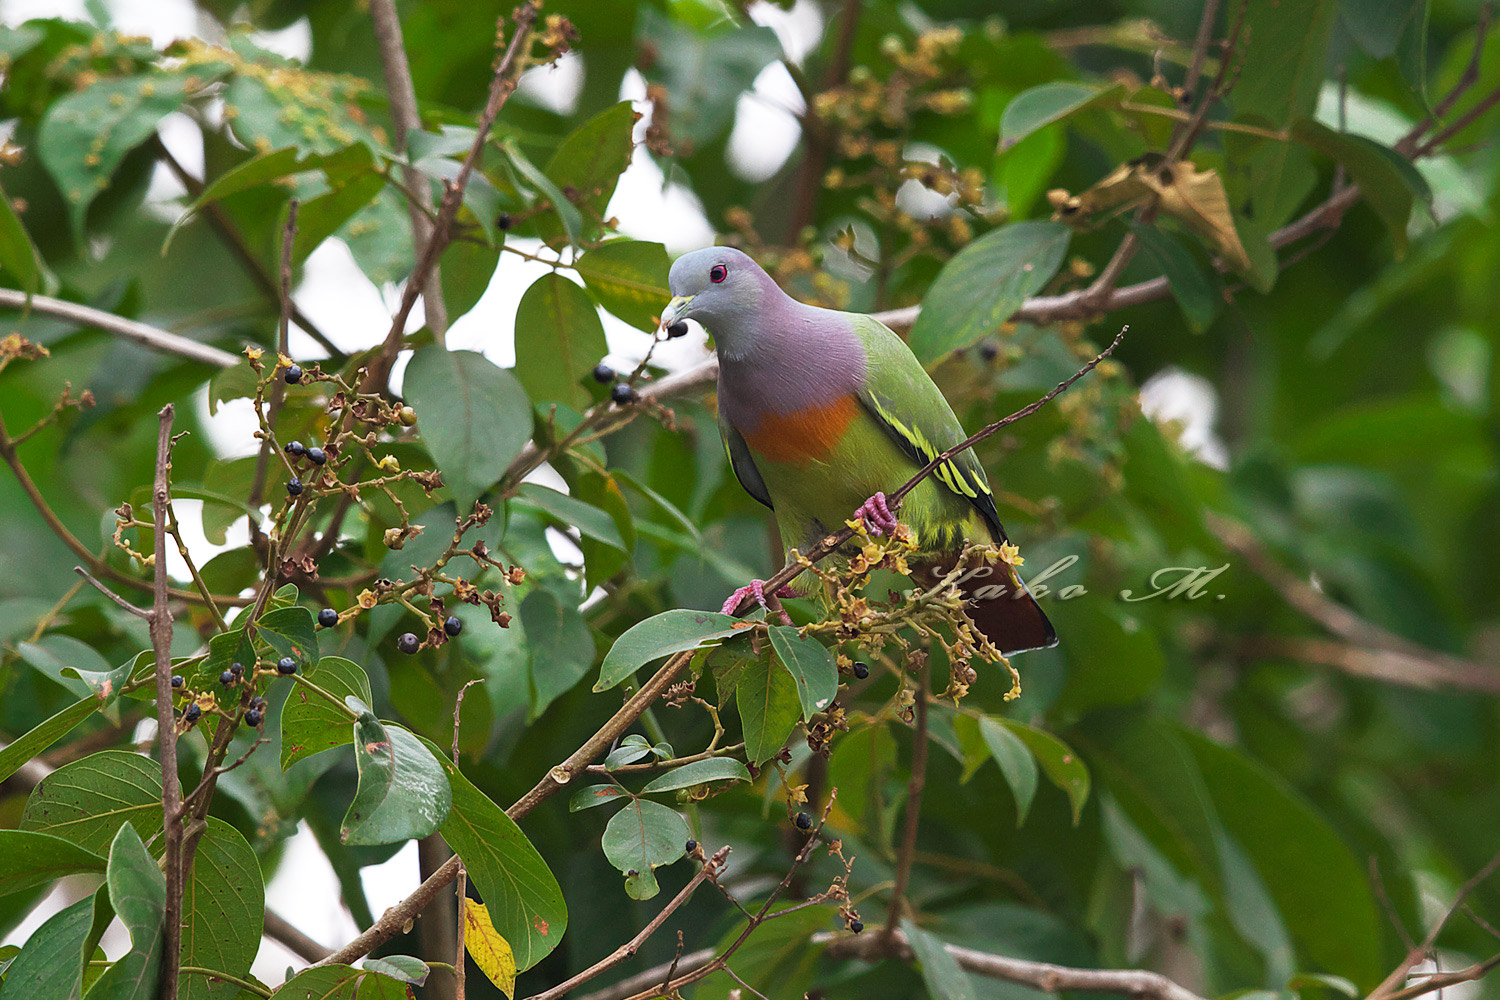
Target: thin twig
(166, 724)
(129, 329)
(1388, 990)
(278, 387)
(626, 951)
(215, 772)
(138, 612)
(460, 966)
(913, 801)
(1442, 980)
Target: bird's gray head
(724, 290)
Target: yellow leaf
(490, 951)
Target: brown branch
(1388, 990)
(128, 329)
(710, 871)
(278, 387)
(660, 974)
(404, 119)
(133, 609)
(1441, 980)
(1042, 976)
(913, 801)
(166, 724)
(280, 930)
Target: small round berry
(690, 846)
(296, 449)
(328, 618)
(294, 486)
(237, 669)
(293, 375)
(502, 221)
(861, 669)
(316, 455)
(253, 717)
(258, 703)
(192, 712)
(407, 643)
(453, 625)
(407, 416)
(677, 329)
(286, 665)
(177, 681)
(603, 374)
(622, 393)
(803, 821)
(856, 925)
(226, 678)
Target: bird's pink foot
(877, 516)
(757, 590)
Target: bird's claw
(877, 516)
(757, 590)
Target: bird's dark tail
(1000, 606)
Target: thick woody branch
(128, 329)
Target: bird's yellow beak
(675, 309)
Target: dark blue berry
(861, 669)
(177, 680)
(803, 821)
(238, 669)
(603, 374)
(856, 925)
(328, 618)
(293, 375)
(677, 329)
(316, 455)
(286, 665)
(691, 846)
(226, 678)
(258, 703)
(253, 717)
(502, 221)
(192, 712)
(294, 486)
(622, 393)
(295, 449)
(407, 643)
(453, 625)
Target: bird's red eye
(718, 273)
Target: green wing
(741, 462)
(904, 400)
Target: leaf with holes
(310, 723)
(87, 801)
(223, 908)
(811, 666)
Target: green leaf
(558, 340)
(474, 417)
(658, 636)
(403, 793)
(629, 278)
(525, 903)
(1047, 104)
(87, 801)
(590, 161)
(466, 272)
(85, 135)
(1195, 291)
(1015, 761)
(342, 982)
(811, 666)
(640, 838)
(766, 696)
(138, 893)
(44, 735)
(562, 650)
(29, 858)
(595, 795)
(51, 962)
(566, 212)
(290, 632)
(1059, 763)
(19, 257)
(570, 512)
(704, 75)
(311, 723)
(1386, 179)
(699, 772)
(941, 973)
(1378, 26)
(54, 655)
(985, 283)
(254, 172)
(223, 909)
(321, 217)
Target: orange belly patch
(802, 436)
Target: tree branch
(913, 800)
(280, 930)
(129, 329)
(166, 724)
